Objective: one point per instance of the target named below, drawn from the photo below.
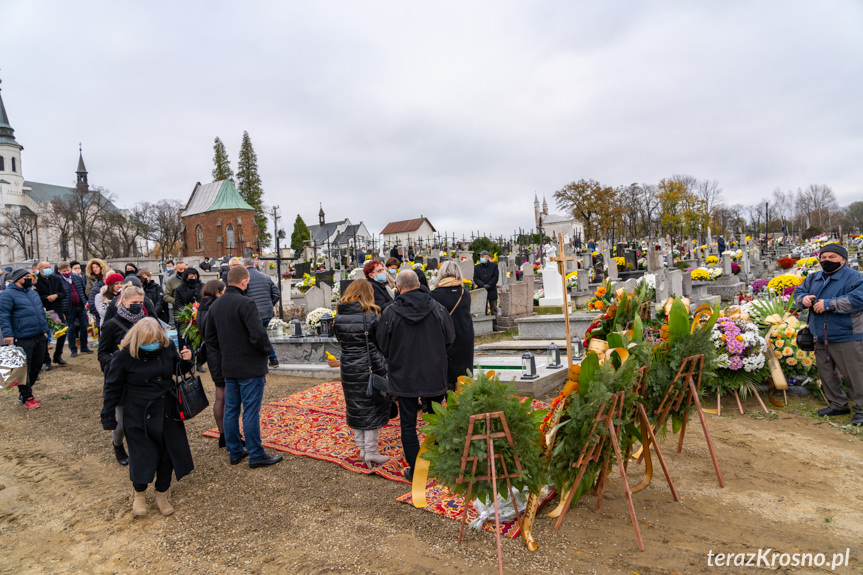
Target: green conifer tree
(300, 235)
(249, 186)
(222, 169)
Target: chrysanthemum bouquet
(740, 361)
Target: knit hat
(836, 249)
(18, 274)
(113, 278)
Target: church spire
(82, 169)
(7, 134)
(321, 215)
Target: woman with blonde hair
(449, 291)
(355, 325)
(140, 378)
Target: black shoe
(265, 462)
(221, 440)
(47, 367)
(59, 361)
(408, 474)
(830, 412)
(236, 460)
(73, 353)
(86, 351)
(202, 369)
(274, 363)
(857, 419)
(121, 455)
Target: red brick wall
(245, 233)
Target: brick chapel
(218, 222)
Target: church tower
(321, 215)
(81, 172)
(536, 210)
(10, 157)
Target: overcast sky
(458, 111)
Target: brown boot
(139, 504)
(165, 507)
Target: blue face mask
(46, 272)
(381, 277)
(150, 346)
(394, 272)
(483, 260)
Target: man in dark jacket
(74, 306)
(834, 297)
(205, 265)
(22, 321)
(53, 294)
(153, 292)
(237, 350)
(485, 275)
(413, 334)
(720, 245)
(265, 294)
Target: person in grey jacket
(263, 291)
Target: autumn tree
(222, 165)
(592, 203)
(161, 224)
(250, 188)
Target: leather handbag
(378, 387)
(189, 393)
(805, 339)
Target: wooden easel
(592, 453)
(675, 397)
(492, 476)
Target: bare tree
(54, 217)
(84, 210)
(711, 194)
(649, 206)
(161, 223)
(19, 224)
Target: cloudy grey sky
(458, 111)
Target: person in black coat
(140, 378)
(153, 292)
(376, 275)
(414, 334)
(720, 244)
(189, 291)
(53, 295)
(75, 308)
(213, 289)
(451, 293)
(205, 265)
(358, 316)
(485, 275)
(127, 314)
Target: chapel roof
(221, 195)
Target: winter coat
(171, 285)
(263, 292)
(460, 354)
(201, 321)
(77, 284)
(111, 309)
(153, 291)
(205, 266)
(150, 417)
(21, 313)
(486, 276)
(720, 244)
(112, 333)
(92, 306)
(382, 296)
(350, 326)
(237, 335)
(52, 285)
(414, 334)
(91, 279)
(842, 293)
(185, 295)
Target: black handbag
(189, 393)
(378, 387)
(805, 339)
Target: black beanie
(836, 249)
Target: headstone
(318, 297)
(620, 250)
(661, 287)
(466, 268)
(325, 277)
(631, 260)
(583, 280)
(654, 263)
(746, 268)
(435, 254)
(726, 263)
(612, 269)
(418, 259)
(675, 283)
(687, 284)
(503, 269)
(709, 241)
(302, 268)
(552, 284)
(432, 263)
(343, 285)
(405, 266)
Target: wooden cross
(561, 268)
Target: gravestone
(675, 283)
(435, 254)
(583, 281)
(405, 266)
(552, 284)
(325, 277)
(432, 263)
(746, 268)
(653, 261)
(709, 241)
(418, 259)
(687, 284)
(661, 287)
(726, 263)
(631, 260)
(620, 250)
(503, 270)
(466, 268)
(570, 265)
(302, 268)
(344, 284)
(318, 297)
(612, 269)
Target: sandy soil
(792, 485)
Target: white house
(408, 232)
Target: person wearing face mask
(140, 380)
(834, 297)
(485, 275)
(212, 291)
(53, 295)
(187, 293)
(392, 265)
(5, 278)
(76, 269)
(96, 271)
(129, 312)
(376, 274)
(74, 308)
(172, 283)
(22, 322)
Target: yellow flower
(807, 362)
(791, 361)
(711, 260)
(800, 354)
(787, 351)
(779, 343)
(789, 333)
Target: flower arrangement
(308, 282)
(780, 283)
(603, 296)
(807, 262)
(621, 263)
(758, 286)
(699, 274)
(786, 263)
(467, 283)
(712, 260)
(57, 327)
(741, 360)
(313, 319)
(735, 269)
(187, 322)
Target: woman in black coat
(376, 277)
(358, 316)
(213, 289)
(128, 312)
(140, 378)
(189, 291)
(449, 292)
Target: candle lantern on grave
(528, 366)
(553, 354)
(296, 328)
(327, 326)
(577, 349)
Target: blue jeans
(246, 394)
(272, 353)
(77, 322)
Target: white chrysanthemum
(722, 360)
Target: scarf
(124, 312)
(448, 282)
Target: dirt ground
(792, 485)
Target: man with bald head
(413, 334)
(53, 295)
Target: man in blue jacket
(22, 321)
(834, 297)
(263, 291)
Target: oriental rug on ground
(312, 423)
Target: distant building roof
(44, 193)
(557, 218)
(319, 234)
(221, 195)
(351, 232)
(406, 226)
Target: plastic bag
(504, 508)
(13, 366)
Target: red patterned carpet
(312, 423)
